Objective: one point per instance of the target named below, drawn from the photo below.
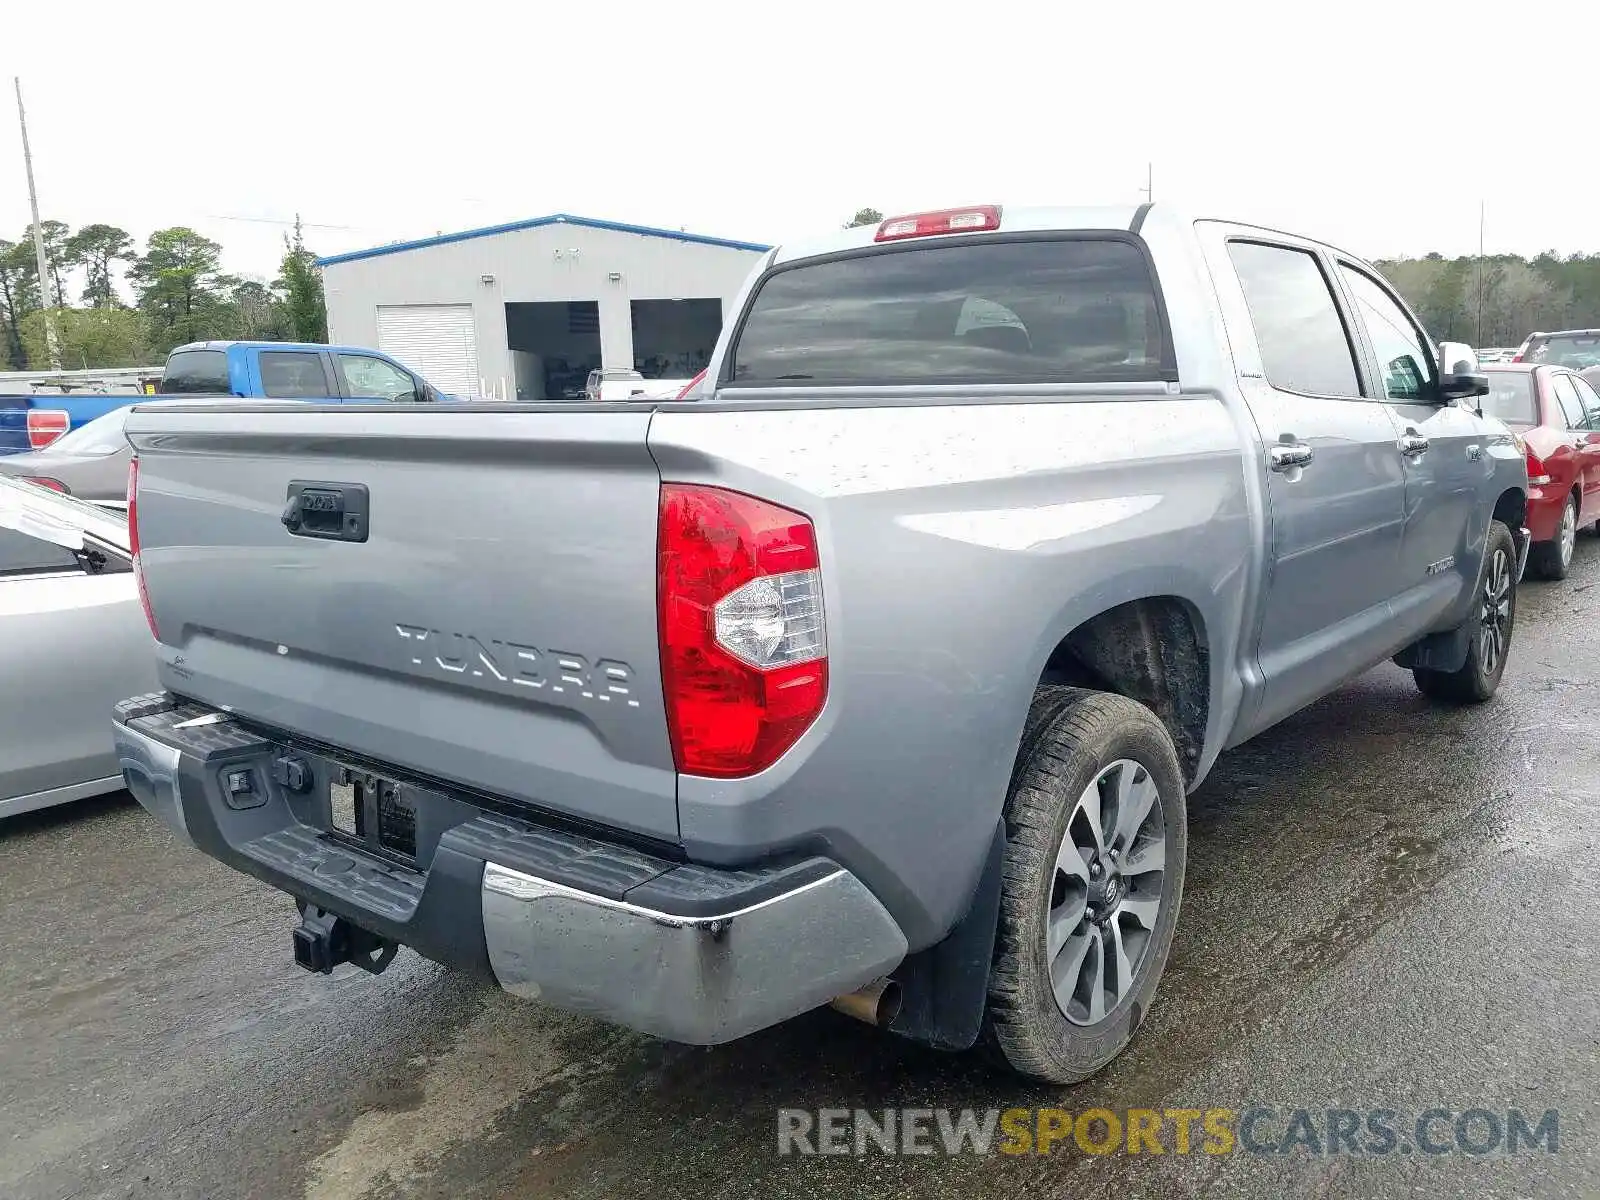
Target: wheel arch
(1511, 509)
(1154, 646)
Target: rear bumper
(1544, 511)
(678, 950)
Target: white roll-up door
(438, 341)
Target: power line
(276, 221)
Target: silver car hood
(64, 520)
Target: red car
(1557, 414)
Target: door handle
(1413, 445)
(1287, 455)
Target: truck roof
(1012, 220)
(229, 344)
(1037, 219)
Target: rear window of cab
(195, 372)
(1510, 397)
(986, 310)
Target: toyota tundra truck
(874, 671)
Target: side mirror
(1459, 377)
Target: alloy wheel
(1495, 631)
(1106, 892)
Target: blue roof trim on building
(554, 219)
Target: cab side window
(369, 378)
(1403, 356)
(1567, 399)
(293, 375)
(1304, 345)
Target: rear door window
(1037, 310)
(1589, 400)
(293, 375)
(1304, 345)
(195, 372)
(1567, 399)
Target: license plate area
(379, 813)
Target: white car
(619, 384)
(73, 641)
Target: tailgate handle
(335, 512)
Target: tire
(1553, 559)
(1075, 744)
(1494, 607)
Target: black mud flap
(944, 988)
(1446, 651)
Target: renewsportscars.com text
(1255, 1130)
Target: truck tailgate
(496, 628)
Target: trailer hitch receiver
(323, 940)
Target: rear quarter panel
(1562, 463)
(71, 646)
(960, 542)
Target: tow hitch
(323, 940)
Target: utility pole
(52, 346)
(1480, 273)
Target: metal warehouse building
(525, 311)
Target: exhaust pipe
(877, 1004)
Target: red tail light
(744, 648)
(133, 546)
(45, 425)
(1516, 358)
(947, 220)
(691, 385)
(55, 485)
(1538, 473)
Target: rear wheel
(1494, 615)
(1096, 836)
(1552, 559)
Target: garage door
(436, 340)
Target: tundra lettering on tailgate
(557, 673)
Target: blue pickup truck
(276, 370)
(293, 371)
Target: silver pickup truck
(875, 670)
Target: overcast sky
(1363, 124)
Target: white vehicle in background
(1575, 349)
(73, 641)
(618, 383)
(612, 384)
